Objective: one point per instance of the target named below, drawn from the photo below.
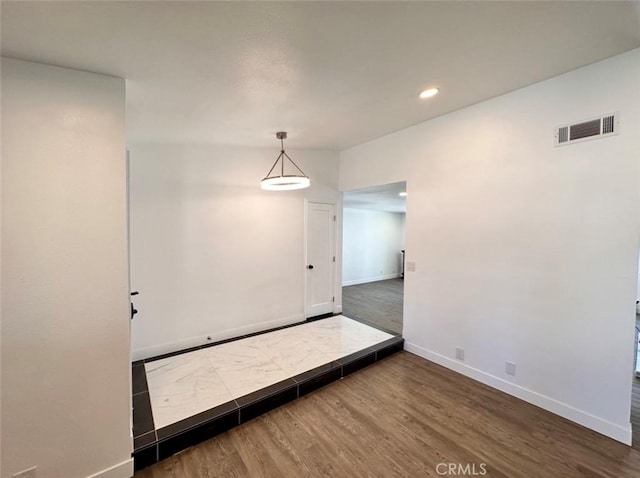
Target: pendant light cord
(280, 158)
(281, 153)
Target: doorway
(635, 388)
(320, 259)
(373, 255)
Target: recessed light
(402, 194)
(429, 93)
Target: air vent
(563, 134)
(585, 130)
(608, 124)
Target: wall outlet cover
(411, 266)
(459, 353)
(511, 368)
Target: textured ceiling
(332, 74)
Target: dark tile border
(138, 379)
(265, 393)
(197, 434)
(320, 317)
(319, 381)
(145, 457)
(360, 354)
(142, 415)
(315, 372)
(356, 363)
(270, 402)
(178, 352)
(389, 349)
(196, 420)
(145, 440)
(155, 445)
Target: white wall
(211, 253)
(371, 245)
(638, 291)
(65, 324)
(524, 252)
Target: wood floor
(635, 413)
(635, 405)
(379, 303)
(404, 416)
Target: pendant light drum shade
(285, 183)
(282, 181)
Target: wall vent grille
(606, 125)
(563, 134)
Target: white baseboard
(182, 344)
(370, 279)
(121, 470)
(617, 432)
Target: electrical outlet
(459, 353)
(511, 368)
(411, 266)
(30, 473)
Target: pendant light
(282, 181)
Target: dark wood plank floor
(635, 413)
(379, 303)
(403, 416)
(635, 406)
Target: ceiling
(332, 74)
(377, 198)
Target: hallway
(379, 303)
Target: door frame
(128, 319)
(305, 256)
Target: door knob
(134, 311)
(309, 267)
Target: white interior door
(320, 258)
(128, 319)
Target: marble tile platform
(186, 398)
